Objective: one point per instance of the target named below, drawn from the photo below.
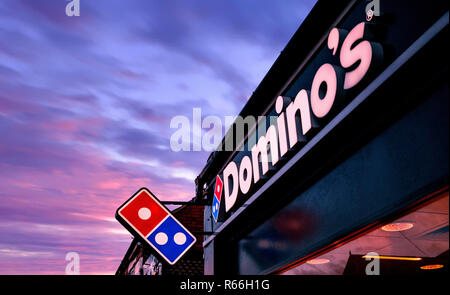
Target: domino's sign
(354, 54)
(144, 216)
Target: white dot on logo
(218, 188)
(217, 206)
(144, 213)
(161, 238)
(179, 238)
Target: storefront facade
(355, 136)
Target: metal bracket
(201, 203)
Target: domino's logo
(145, 216)
(216, 199)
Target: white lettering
(261, 149)
(230, 199)
(196, 129)
(323, 96)
(327, 87)
(245, 174)
(300, 104)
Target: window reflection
(416, 242)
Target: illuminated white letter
(322, 99)
(281, 124)
(230, 199)
(261, 149)
(351, 55)
(333, 40)
(245, 181)
(300, 104)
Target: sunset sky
(86, 104)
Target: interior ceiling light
(432, 266)
(318, 261)
(397, 226)
(393, 257)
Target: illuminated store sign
(297, 117)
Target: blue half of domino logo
(215, 208)
(171, 239)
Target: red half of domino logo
(218, 188)
(143, 215)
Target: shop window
(414, 243)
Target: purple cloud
(85, 110)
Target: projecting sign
(143, 215)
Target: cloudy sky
(86, 104)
